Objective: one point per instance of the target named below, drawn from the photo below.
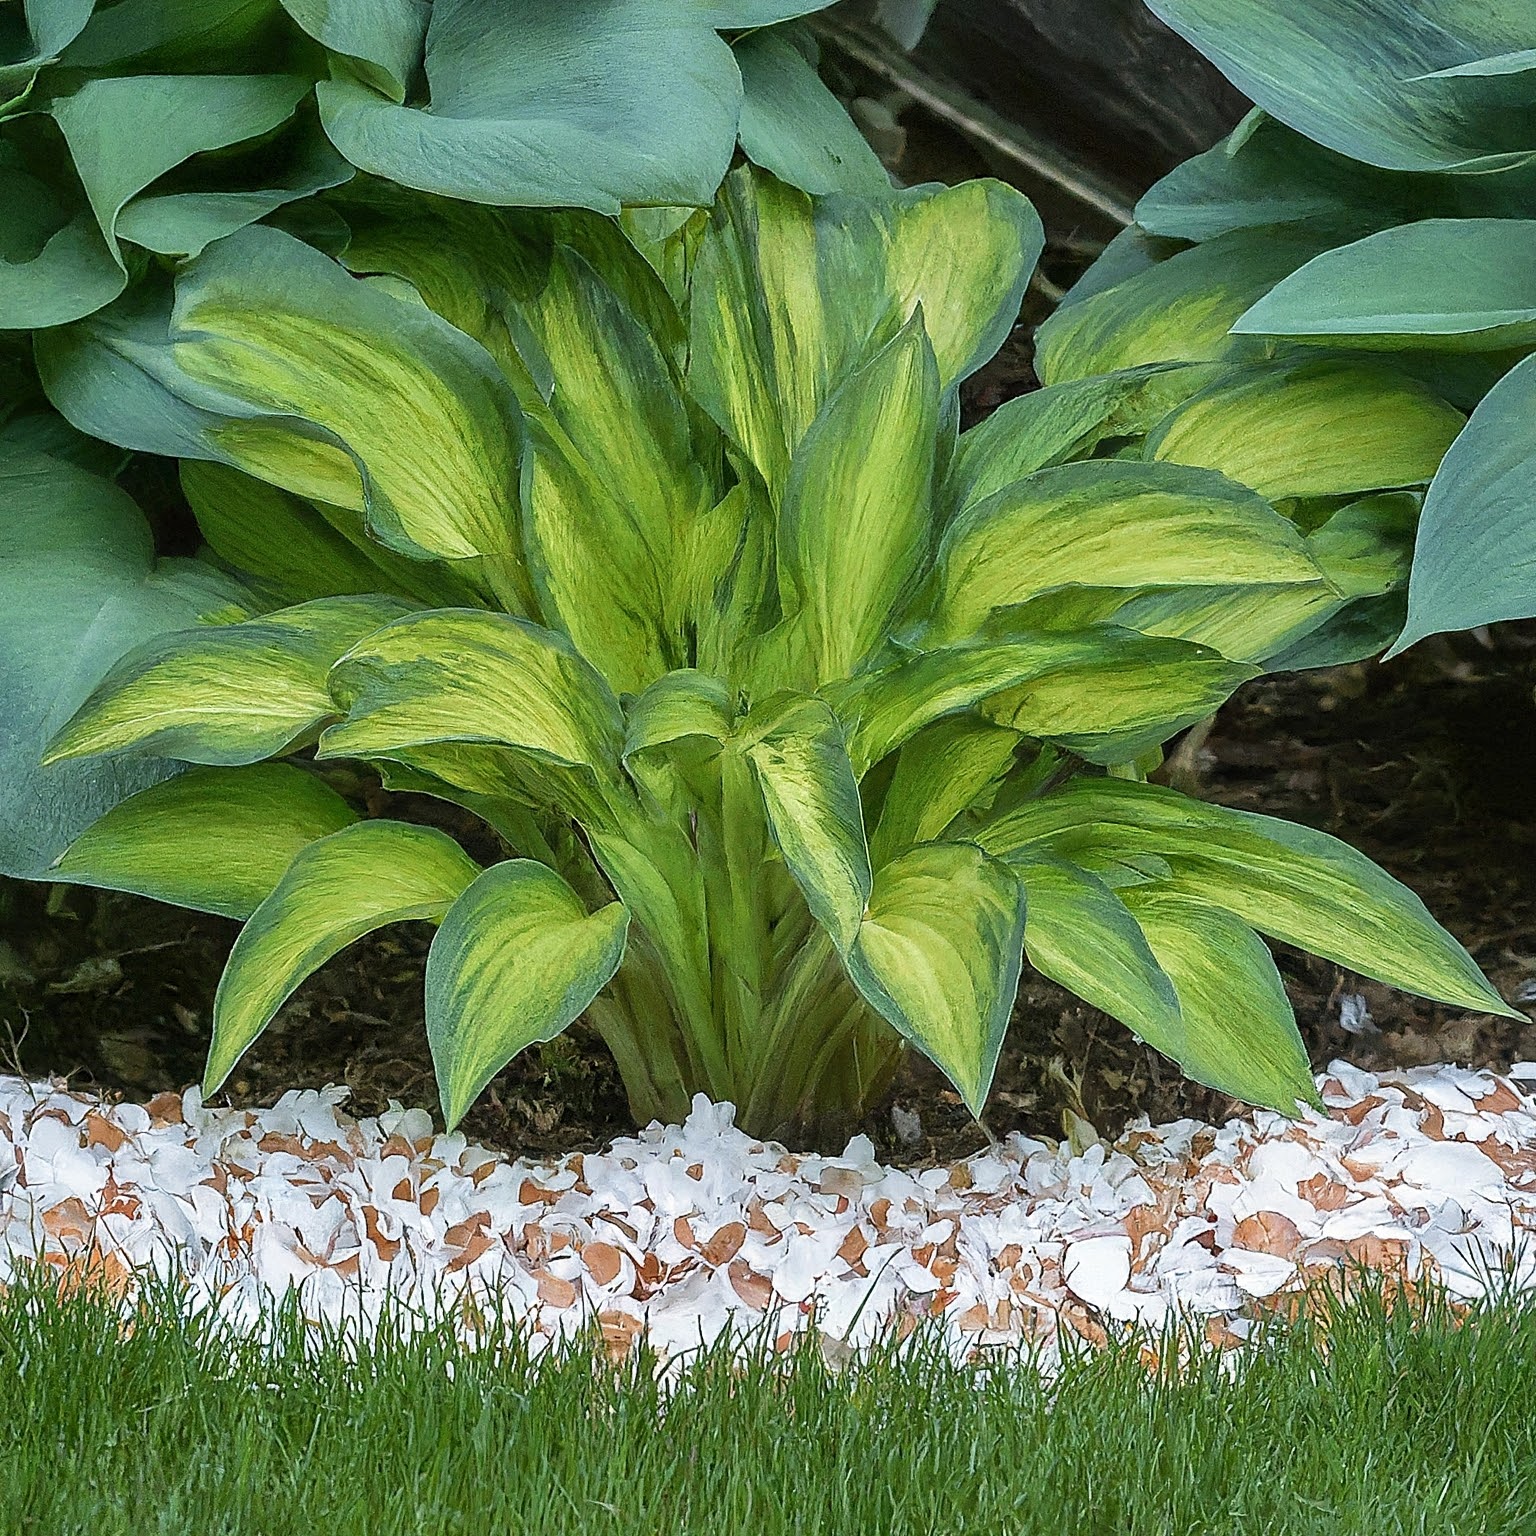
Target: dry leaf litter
(685, 1231)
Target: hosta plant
(1378, 207)
(800, 716)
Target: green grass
(1393, 1428)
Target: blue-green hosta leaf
(938, 957)
(811, 798)
(54, 262)
(1290, 882)
(1475, 560)
(1236, 1030)
(1462, 284)
(337, 889)
(516, 960)
(382, 38)
(1310, 428)
(1050, 426)
(727, 14)
(591, 106)
(1079, 933)
(1072, 685)
(609, 549)
(1352, 74)
(941, 772)
(178, 36)
(47, 28)
(1111, 525)
(225, 694)
(1179, 310)
(122, 135)
(79, 587)
(214, 839)
(465, 675)
(364, 400)
(792, 125)
(855, 529)
(1270, 175)
(206, 199)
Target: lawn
(1376, 1422)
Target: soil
(1425, 763)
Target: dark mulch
(1427, 763)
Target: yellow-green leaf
(1079, 933)
(1239, 1034)
(340, 371)
(516, 960)
(336, 890)
(462, 675)
(1110, 525)
(1311, 429)
(940, 772)
(225, 694)
(796, 750)
(1047, 684)
(938, 957)
(855, 528)
(1177, 311)
(214, 839)
(1290, 882)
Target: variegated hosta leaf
(225, 694)
(796, 750)
(470, 264)
(962, 254)
(1093, 680)
(1047, 427)
(939, 773)
(854, 533)
(300, 550)
(1109, 525)
(1079, 933)
(789, 296)
(1363, 551)
(1295, 884)
(760, 356)
(462, 675)
(1180, 310)
(939, 954)
(681, 706)
(1308, 428)
(366, 400)
(516, 960)
(609, 550)
(337, 889)
(1237, 1031)
(214, 839)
